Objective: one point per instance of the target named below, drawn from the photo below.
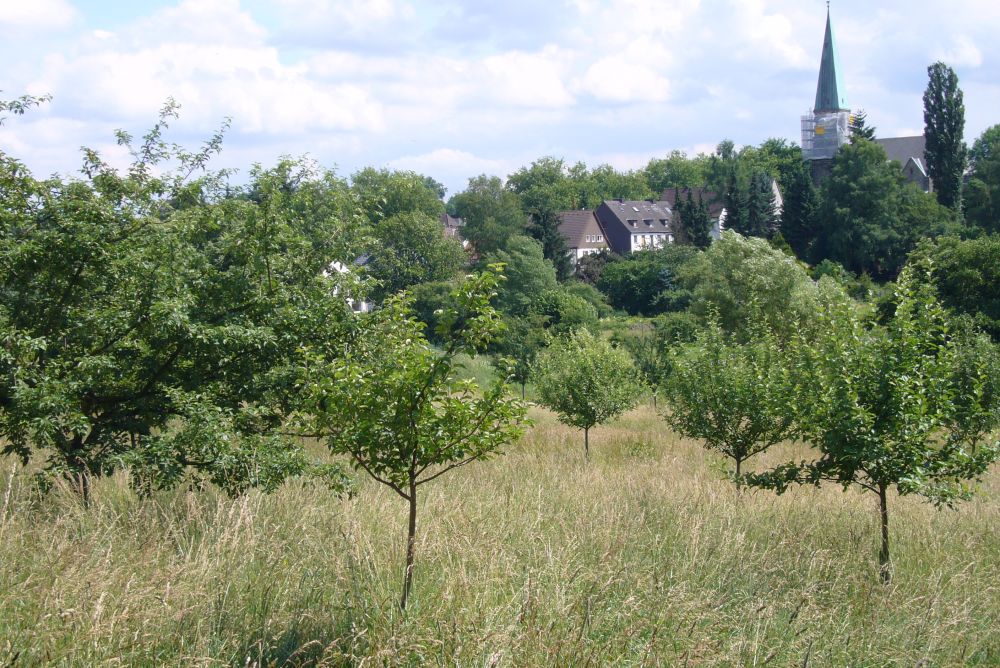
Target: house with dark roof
(452, 227)
(909, 153)
(632, 225)
(582, 232)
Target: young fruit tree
(586, 381)
(393, 403)
(880, 404)
(735, 397)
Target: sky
(457, 88)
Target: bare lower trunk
(522, 391)
(739, 467)
(586, 443)
(411, 537)
(82, 482)
(79, 473)
(885, 567)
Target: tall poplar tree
(944, 126)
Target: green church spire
(830, 92)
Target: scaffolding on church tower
(824, 133)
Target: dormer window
(663, 221)
(633, 222)
(648, 222)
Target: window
(670, 238)
(632, 221)
(600, 237)
(588, 238)
(648, 222)
(663, 221)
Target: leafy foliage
(384, 194)
(967, 277)
(394, 404)
(736, 397)
(528, 275)
(944, 129)
(492, 214)
(982, 193)
(154, 321)
(875, 402)
(739, 278)
(20, 105)
(645, 282)
(870, 217)
(586, 381)
(409, 249)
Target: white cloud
(212, 58)
(337, 18)
(524, 79)
(17, 16)
(963, 52)
(453, 167)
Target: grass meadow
(644, 556)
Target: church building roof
(831, 95)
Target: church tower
(827, 128)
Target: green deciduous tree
(739, 278)
(646, 282)
(982, 193)
(384, 193)
(528, 274)
(675, 171)
(586, 381)
(944, 130)
(870, 217)
(394, 404)
(878, 402)
(492, 214)
(410, 248)
(154, 321)
(967, 277)
(736, 397)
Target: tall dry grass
(644, 556)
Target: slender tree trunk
(739, 467)
(885, 568)
(654, 401)
(522, 391)
(83, 486)
(411, 543)
(79, 475)
(586, 443)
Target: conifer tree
(859, 127)
(798, 213)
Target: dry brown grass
(644, 556)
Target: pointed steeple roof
(830, 92)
